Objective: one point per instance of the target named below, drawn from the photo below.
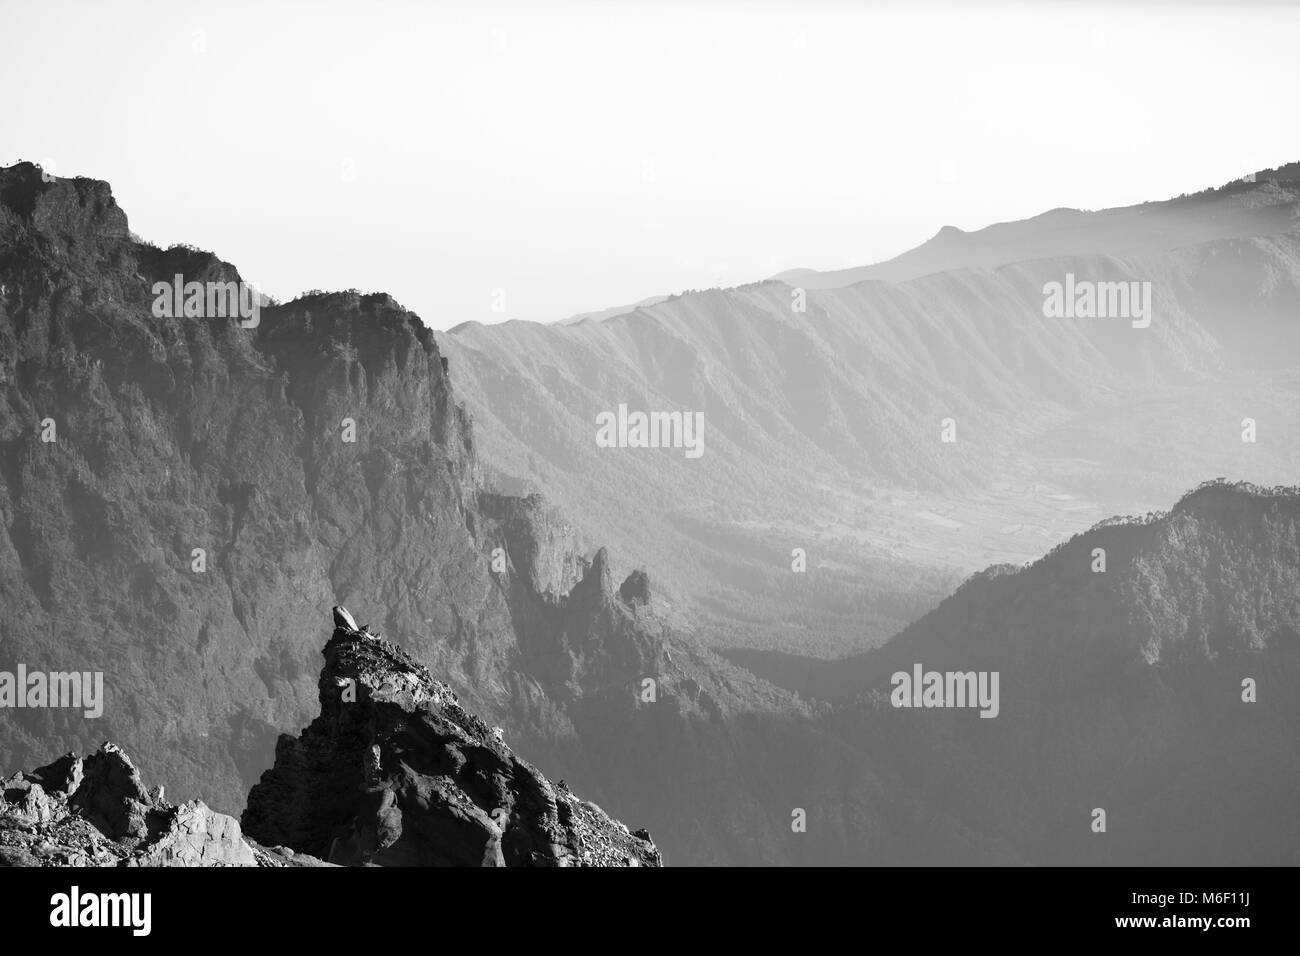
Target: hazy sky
(580, 155)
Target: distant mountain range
(179, 496)
(824, 397)
(1259, 205)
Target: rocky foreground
(394, 772)
(95, 811)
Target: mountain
(824, 408)
(1162, 690)
(179, 495)
(1124, 690)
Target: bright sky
(565, 157)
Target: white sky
(581, 155)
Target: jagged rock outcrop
(95, 811)
(394, 772)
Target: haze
(556, 158)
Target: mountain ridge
(824, 425)
(1073, 231)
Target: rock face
(179, 436)
(394, 772)
(95, 811)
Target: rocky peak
(394, 772)
(597, 585)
